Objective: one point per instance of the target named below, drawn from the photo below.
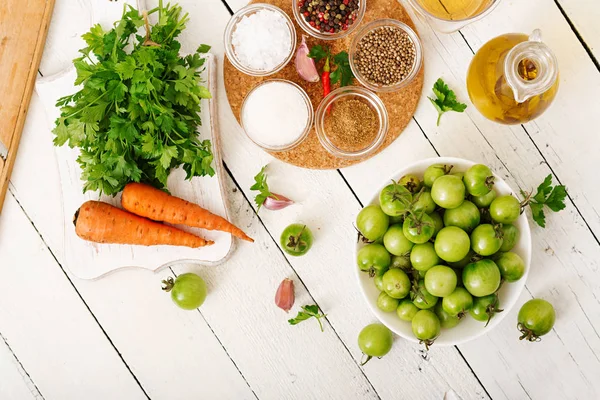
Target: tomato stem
(168, 283)
(366, 361)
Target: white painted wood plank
(15, 383)
(47, 326)
(584, 16)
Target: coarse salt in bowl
(277, 115)
(469, 328)
(260, 39)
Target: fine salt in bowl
(277, 115)
(258, 42)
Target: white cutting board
(88, 260)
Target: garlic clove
(277, 202)
(285, 297)
(304, 64)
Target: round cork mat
(401, 105)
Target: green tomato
(188, 290)
(485, 200)
(375, 340)
(486, 240)
(433, 172)
(466, 216)
(396, 283)
(510, 237)
(505, 209)
(511, 266)
(484, 308)
(458, 302)
(395, 242)
(422, 298)
(536, 318)
(418, 229)
(411, 182)
(423, 256)
(296, 239)
(464, 262)
(447, 321)
(478, 180)
(387, 303)
(426, 326)
(440, 280)
(402, 262)
(394, 199)
(378, 281)
(424, 202)
(406, 310)
(481, 278)
(372, 222)
(452, 244)
(461, 175)
(448, 191)
(437, 222)
(373, 257)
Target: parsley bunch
(547, 195)
(136, 115)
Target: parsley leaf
(342, 73)
(263, 188)
(445, 100)
(318, 52)
(136, 113)
(553, 197)
(309, 312)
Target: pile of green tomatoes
(438, 247)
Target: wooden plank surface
(253, 353)
(23, 28)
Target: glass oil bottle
(513, 78)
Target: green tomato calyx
(492, 309)
(527, 334)
(168, 284)
(295, 242)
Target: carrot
(149, 202)
(102, 223)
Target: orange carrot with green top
(152, 203)
(102, 223)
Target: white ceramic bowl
(468, 329)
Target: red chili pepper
(325, 78)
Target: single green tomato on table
(440, 280)
(394, 199)
(486, 200)
(422, 298)
(448, 191)
(486, 239)
(296, 239)
(484, 308)
(433, 172)
(447, 321)
(188, 290)
(481, 278)
(426, 326)
(510, 237)
(386, 303)
(372, 222)
(466, 216)
(406, 310)
(511, 266)
(418, 229)
(452, 244)
(536, 318)
(423, 256)
(478, 180)
(375, 340)
(458, 302)
(373, 257)
(505, 209)
(395, 242)
(396, 283)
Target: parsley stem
(439, 118)
(89, 104)
(319, 321)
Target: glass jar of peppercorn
(329, 19)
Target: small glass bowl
(230, 28)
(378, 24)
(449, 26)
(360, 13)
(349, 93)
(309, 122)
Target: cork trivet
(400, 105)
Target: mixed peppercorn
(329, 16)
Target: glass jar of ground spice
(385, 55)
(351, 122)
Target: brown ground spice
(351, 125)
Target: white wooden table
(120, 337)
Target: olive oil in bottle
(451, 10)
(513, 78)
